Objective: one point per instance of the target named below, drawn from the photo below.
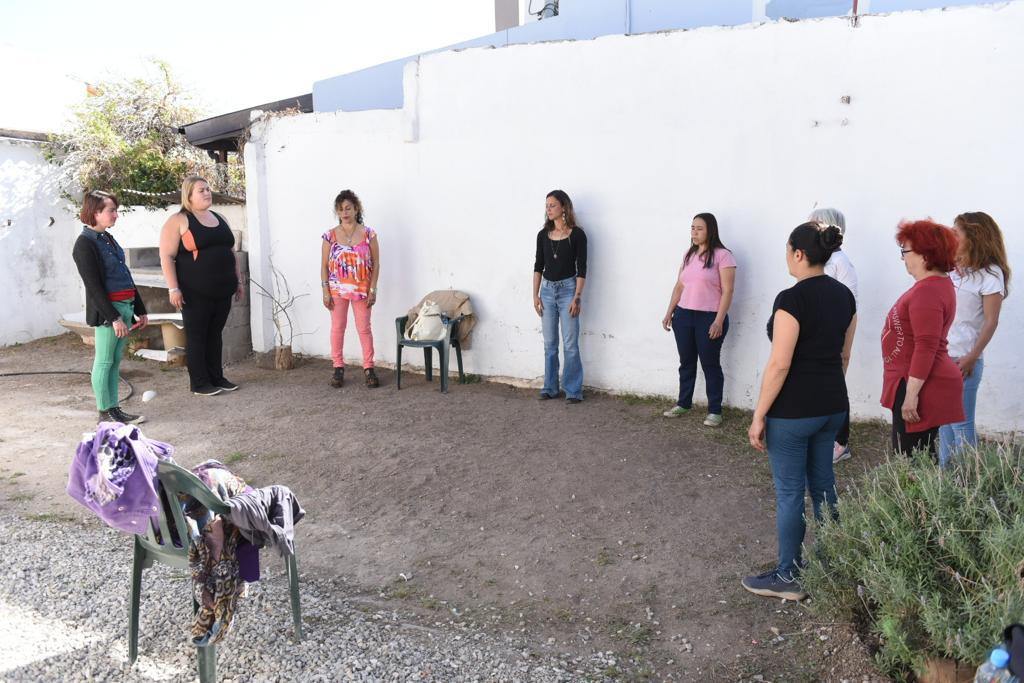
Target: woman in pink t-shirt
(698, 315)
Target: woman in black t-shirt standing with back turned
(198, 261)
(803, 400)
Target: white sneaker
(713, 420)
(840, 453)
(676, 411)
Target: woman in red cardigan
(921, 384)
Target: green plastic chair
(160, 545)
(449, 341)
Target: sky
(229, 54)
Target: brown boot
(371, 378)
(339, 377)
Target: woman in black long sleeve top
(112, 302)
(559, 276)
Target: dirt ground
(599, 526)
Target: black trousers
(204, 319)
(904, 442)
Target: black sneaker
(226, 385)
(371, 378)
(126, 418)
(545, 396)
(771, 584)
(207, 390)
(573, 400)
(105, 416)
(338, 378)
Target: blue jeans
(692, 341)
(556, 298)
(800, 453)
(955, 436)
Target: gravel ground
(64, 599)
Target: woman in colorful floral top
(349, 267)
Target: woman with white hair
(839, 267)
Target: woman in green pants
(112, 302)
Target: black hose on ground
(131, 389)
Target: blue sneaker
(771, 584)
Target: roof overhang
(223, 133)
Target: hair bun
(830, 238)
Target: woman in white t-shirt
(982, 279)
(839, 267)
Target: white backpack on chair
(428, 325)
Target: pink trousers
(339, 321)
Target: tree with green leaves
(125, 140)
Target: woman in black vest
(198, 261)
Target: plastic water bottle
(994, 670)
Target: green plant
(232, 458)
(929, 560)
(125, 140)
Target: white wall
(643, 132)
(35, 257)
(140, 227)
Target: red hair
(936, 243)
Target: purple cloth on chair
(248, 557)
(113, 474)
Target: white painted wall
(643, 132)
(140, 227)
(35, 257)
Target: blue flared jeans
(556, 298)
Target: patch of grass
(402, 592)
(641, 399)
(51, 517)
(637, 634)
(22, 497)
(17, 474)
(647, 595)
(400, 589)
(604, 558)
(491, 582)
(232, 458)
(430, 602)
(472, 378)
(612, 672)
(565, 615)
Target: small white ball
(148, 396)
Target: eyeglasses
(904, 252)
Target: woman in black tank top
(198, 261)
(205, 263)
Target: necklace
(348, 240)
(554, 246)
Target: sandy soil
(596, 526)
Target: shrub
(929, 560)
(124, 139)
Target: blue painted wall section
(380, 86)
